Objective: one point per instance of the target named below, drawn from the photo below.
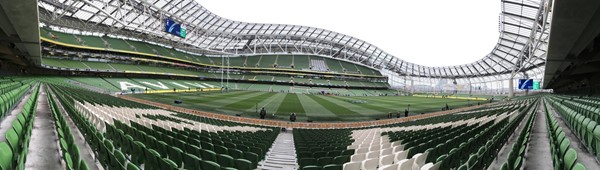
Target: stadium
(168, 84)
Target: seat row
(13, 152)
(563, 156)
(320, 148)
(155, 147)
(584, 128)
(516, 155)
(69, 150)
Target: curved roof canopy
(523, 26)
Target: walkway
(43, 151)
(282, 154)
(538, 155)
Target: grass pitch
(313, 107)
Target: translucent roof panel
(520, 38)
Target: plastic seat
(138, 149)
(352, 165)
(307, 161)
(312, 167)
(570, 158)
(167, 164)
(13, 141)
(220, 150)
(83, 165)
(341, 159)
(243, 164)
(405, 164)
(370, 164)
(564, 146)
(400, 156)
(153, 159)
(387, 151)
(74, 151)
(205, 164)
(252, 157)
(68, 161)
(358, 157)
(319, 154)
(131, 166)
(389, 167)
(225, 160)
(578, 166)
(332, 167)
(176, 155)
(191, 161)
(373, 154)
(236, 154)
(471, 162)
(208, 155)
(324, 161)
(386, 160)
(420, 159)
(348, 152)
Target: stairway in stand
(282, 154)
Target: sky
(430, 33)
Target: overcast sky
(431, 33)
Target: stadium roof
(523, 26)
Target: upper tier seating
(299, 62)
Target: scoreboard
(175, 28)
(525, 83)
(528, 84)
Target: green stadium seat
(312, 167)
(307, 161)
(252, 157)
(570, 158)
(578, 166)
(341, 159)
(220, 150)
(205, 164)
(120, 158)
(324, 161)
(236, 154)
(225, 160)
(13, 140)
(82, 165)
(6, 156)
(243, 164)
(208, 155)
(131, 166)
(68, 161)
(167, 164)
(176, 155)
(190, 161)
(333, 167)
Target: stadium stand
(127, 135)
(102, 84)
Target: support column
(511, 91)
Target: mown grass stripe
(314, 109)
(290, 104)
(332, 107)
(250, 102)
(368, 106)
(219, 96)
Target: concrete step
(281, 155)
